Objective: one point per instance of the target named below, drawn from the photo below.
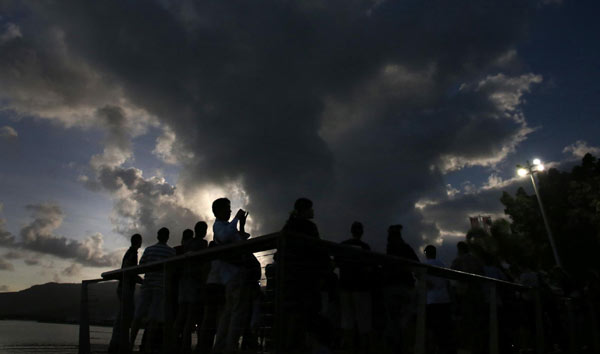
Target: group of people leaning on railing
(362, 308)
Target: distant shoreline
(54, 321)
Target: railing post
(421, 330)
(84, 321)
(539, 322)
(279, 330)
(168, 309)
(493, 319)
(594, 324)
(123, 325)
(571, 319)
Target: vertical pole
(548, 230)
(494, 349)
(279, 330)
(571, 319)
(539, 322)
(124, 321)
(594, 324)
(168, 308)
(421, 311)
(84, 321)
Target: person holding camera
(232, 273)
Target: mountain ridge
(60, 302)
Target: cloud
(32, 261)
(6, 237)
(4, 288)
(579, 148)
(363, 110)
(4, 265)
(73, 270)
(10, 32)
(7, 132)
(13, 255)
(39, 236)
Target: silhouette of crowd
(329, 302)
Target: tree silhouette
(572, 202)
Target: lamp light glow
(522, 172)
(537, 162)
(540, 167)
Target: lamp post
(530, 169)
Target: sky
(118, 117)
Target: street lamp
(531, 169)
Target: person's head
(187, 236)
(222, 209)
(430, 252)
(462, 247)
(163, 235)
(136, 241)
(395, 231)
(303, 208)
(357, 229)
(200, 229)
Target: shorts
(150, 304)
(356, 310)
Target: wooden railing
(280, 242)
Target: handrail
(269, 241)
(253, 245)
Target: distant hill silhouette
(55, 302)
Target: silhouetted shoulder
(356, 243)
(302, 226)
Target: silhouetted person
(196, 273)
(185, 294)
(439, 307)
(232, 274)
(469, 300)
(305, 269)
(151, 300)
(465, 261)
(398, 290)
(355, 295)
(126, 295)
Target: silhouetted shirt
(156, 252)
(394, 275)
(225, 232)
(301, 226)
(354, 275)
(468, 263)
(437, 288)
(130, 259)
(305, 263)
(198, 269)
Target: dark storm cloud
(359, 105)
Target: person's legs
(141, 311)
(347, 321)
(155, 318)
(240, 305)
(363, 319)
(213, 305)
(232, 289)
(183, 312)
